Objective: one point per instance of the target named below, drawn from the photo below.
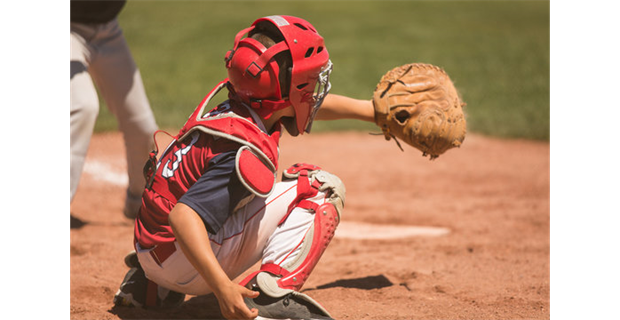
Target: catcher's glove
(419, 104)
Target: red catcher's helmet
(255, 75)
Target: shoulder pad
(255, 171)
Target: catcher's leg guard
(295, 248)
(295, 272)
(279, 285)
(300, 258)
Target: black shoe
(133, 291)
(277, 303)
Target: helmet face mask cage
(320, 92)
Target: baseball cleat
(277, 303)
(133, 292)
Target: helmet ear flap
(271, 35)
(253, 70)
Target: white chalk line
(101, 171)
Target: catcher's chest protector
(257, 159)
(185, 159)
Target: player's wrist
(222, 287)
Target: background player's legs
(84, 107)
(120, 84)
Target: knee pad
(310, 180)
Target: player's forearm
(193, 239)
(337, 107)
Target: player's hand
(231, 302)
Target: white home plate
(360, 231)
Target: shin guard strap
(274, 269)
(305, 190)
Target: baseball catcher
(212, 206)
(419, 104)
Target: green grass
(496, 52)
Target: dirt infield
(492, 195)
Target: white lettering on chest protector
(168, 170)
(223, 108)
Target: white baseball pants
(250, 235)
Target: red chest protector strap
(160, 138)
